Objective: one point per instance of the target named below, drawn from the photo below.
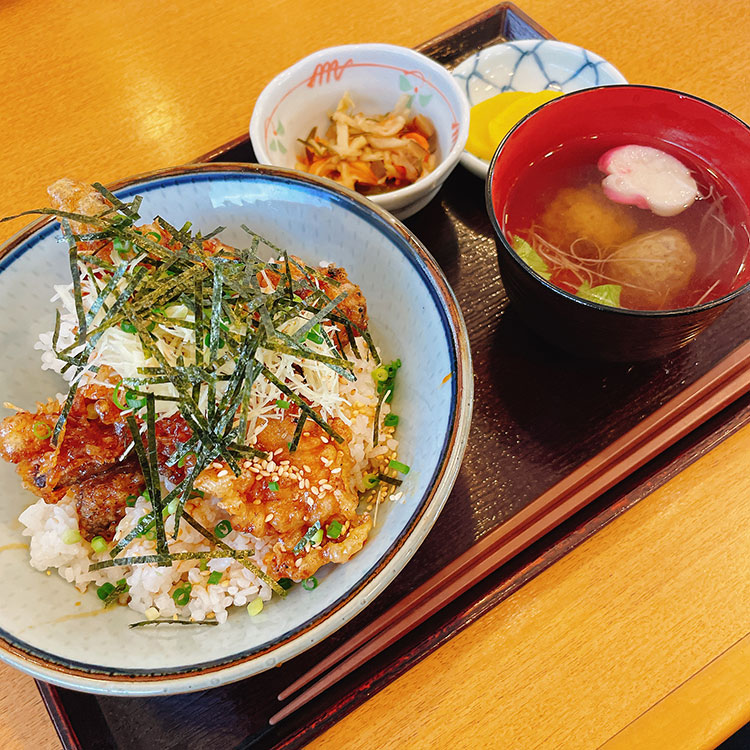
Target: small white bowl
(529, 65)
(375, 75)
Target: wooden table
(638, 638)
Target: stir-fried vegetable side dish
(372, 153)
(227, 417)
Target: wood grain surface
(638, 633)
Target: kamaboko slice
(648, 178)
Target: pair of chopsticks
(711, 393)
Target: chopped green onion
(109, 594)
(315, 335)
(105, 590)
(334, 530)
(41, 430)
(128, 327)
(285, 583)
(155, 235)
(207, 341)
(273, 486)
(172, 506)
(398, 466)
(391, 420)
(151, 534)
(181, 595)
(317, 537)
(71, 536)
(380, 374)
(215, 577)
(131, 500)
(99, 544)
(255, 607)
(184, 458)
(309, 534)
(370, 480)
(133, 401)
(222, 528)
(282, 404)
(310, 583)
(120, 247)
(203, 564)
(116, 397)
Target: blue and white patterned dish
(529, 65)
(413, 315)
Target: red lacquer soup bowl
(707, 138)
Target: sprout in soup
(629, 226)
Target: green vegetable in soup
(530, 257)
(604, 294)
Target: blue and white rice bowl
(51, 630)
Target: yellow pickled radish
(494, 117)
(517, 110)
(478, 142)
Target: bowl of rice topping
(227, 451)
(380, 119)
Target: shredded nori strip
(163, 621)
(224, 546)
(230, 312)
(390, 480)
(309, 534)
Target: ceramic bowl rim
(242, 664)
(509, 252)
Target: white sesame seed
(216, 465)
(269, 517)
(298, 563)
(271, 466)
(323, 439)
(306, 468)
(247, 464)
(337, 470)
(314, 490)
(223, 472)
(278, 451)
(307, 484)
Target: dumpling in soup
(586, 217)
(652, 268)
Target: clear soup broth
(561, 223)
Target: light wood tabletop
(638, 638)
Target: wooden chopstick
(711, 393)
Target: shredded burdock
(372, 153)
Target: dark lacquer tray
(538, 414)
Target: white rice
(151, 586)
